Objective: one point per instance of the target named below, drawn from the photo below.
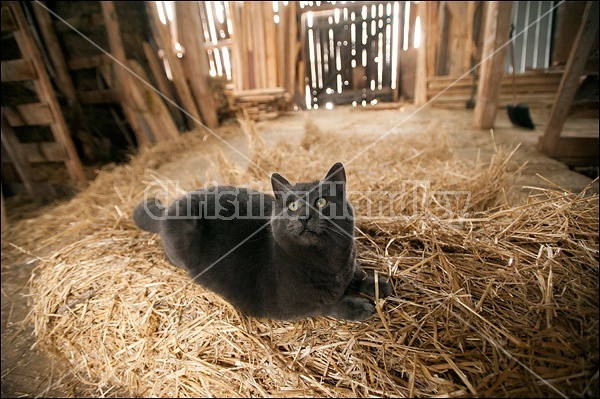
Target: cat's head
(312, 214)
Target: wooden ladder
(47, 111)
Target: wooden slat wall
(376, 44)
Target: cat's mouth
(307, 230)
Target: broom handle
(512, 64)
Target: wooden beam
(63, 79)
(157, 70)
(163, 40)
(117, 50)
(93, 61)
(154, 114)
(195, 59)
(549, 142)
(101, 96)
(492, 68)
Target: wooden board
(28, 114)
(17, 70)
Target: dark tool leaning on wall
(518, 113)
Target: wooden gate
(352, 51)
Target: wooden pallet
(45, 112)
(258, 104)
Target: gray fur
(297, 265)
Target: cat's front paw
(385, 288)
(352, 309)
(367, 286)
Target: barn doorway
(352, 50)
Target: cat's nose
(304, 217)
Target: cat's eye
(293, 206)
(321, 202)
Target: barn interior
(469, 132)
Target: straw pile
(492, 298)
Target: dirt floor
(29, 373)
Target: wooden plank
(101, 96)
(293, 47)
(457, 39)
(93, 61)
(492, 68)
(47, 151)
(45, 91)
(577, 147)
(432, 37)
(63, 79)
(568, 22)
(28, 114)
(17, 70)
(421, 78)
(182, 88)
(8, 20)
(20, 161)
(549, 142)
(281, 33)
(3, 215)
(157, 70)
(83, 21)
(195, 59)
(258, 23)
(270, 41)
(468, 44)
(154, 113)
(236, 46)
(111, 23)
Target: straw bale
(492, 297)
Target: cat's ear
(336, 174)
(280, 184)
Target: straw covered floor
(494, 295)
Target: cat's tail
(148, 214)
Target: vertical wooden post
(580, 52)
(195, 58)
(421, 78)
(497, 28)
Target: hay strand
(491, 297)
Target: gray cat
(283, 257)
